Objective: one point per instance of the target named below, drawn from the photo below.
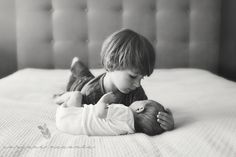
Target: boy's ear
(140, 109)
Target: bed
(203, 105)
(185, 34)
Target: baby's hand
(102, 104)
(75, 99)
(63, 98)
(166, 120)
(70, 99)
(108, 98)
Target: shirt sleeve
(68, 119)
(92, 91)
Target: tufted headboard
(185, 33)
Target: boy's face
(125, 80)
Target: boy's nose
(137, 83)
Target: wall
(185, 33)
(8, 62)
(7, 37)
(227, 67)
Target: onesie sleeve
(122, 116)
(69, 119)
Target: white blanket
(203, 105)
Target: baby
(106, 118)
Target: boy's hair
(146, 121)
(126, 49)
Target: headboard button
(52, 10)
(86, 41)
(48, 8)
(85, 9)
(153, 8)
(154, 41)
(187, 11)
(117, 8)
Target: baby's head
(145, 116)
(126, 49)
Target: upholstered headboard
(185, 33)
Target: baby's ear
(140, 109)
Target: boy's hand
(166, 120)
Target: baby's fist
(108, 98)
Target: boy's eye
(133, 77)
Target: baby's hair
(146, 121)
(126, 49)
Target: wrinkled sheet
(203, 106)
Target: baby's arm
(68, 119)
(75, 99)
(102, 105)
(70, 99)
(68, 115)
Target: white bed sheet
(203, 105)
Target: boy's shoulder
(93, 84)
(92, 91)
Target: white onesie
(83, 121)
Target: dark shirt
(93, 90)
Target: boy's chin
(125, 91)
(120, 91)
